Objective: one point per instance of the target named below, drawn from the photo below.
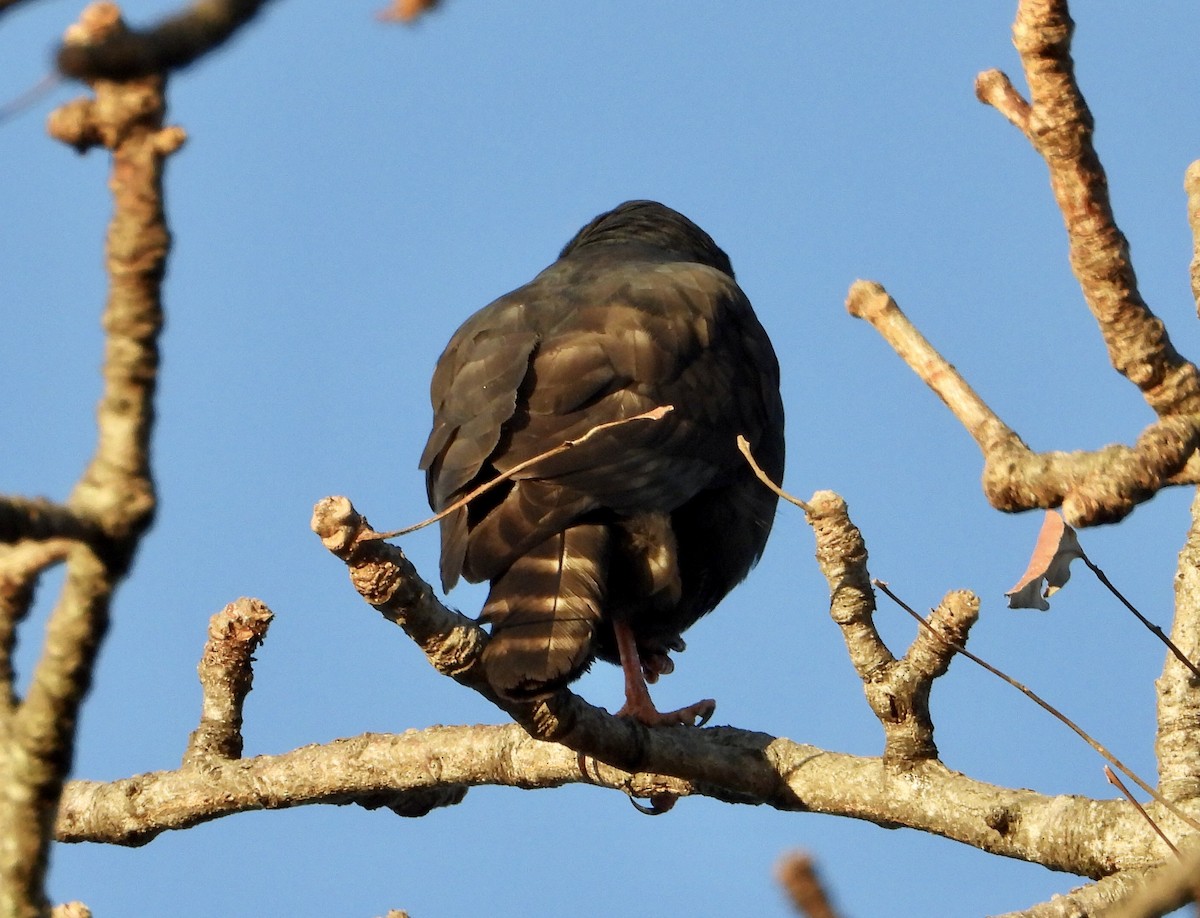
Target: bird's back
(651, 521)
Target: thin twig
(1050, 709)
(1150, 626)
(744, 445)
(655, 414)
(1120, 785)
(798, 875)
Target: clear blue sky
(351, 192)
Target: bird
(637, 347)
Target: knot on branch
(120, 110)
(1097, 487)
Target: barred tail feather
(544, 610)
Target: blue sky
(351, 192)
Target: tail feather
(544, 611)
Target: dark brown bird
(611, 549)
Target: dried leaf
(1056, 548)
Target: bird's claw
(694, 715)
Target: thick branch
(1093, 899)
(728, 764)
(1178, 741)
(1091, 487)
(930, 797)
(1058, 124)
(173, 43)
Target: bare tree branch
(226, 675)
(897, 690)
(1096, 487)
(1178, 738)
(171, 44)
(1059, 125)
(735, 765)
(115, 495)
(930, 797)
(20, 566)
(1162, 890)
(1091, 487)
(1093, 899)
(38, 518)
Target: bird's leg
(638, 703)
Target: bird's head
(653, 224)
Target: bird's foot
(694, 715)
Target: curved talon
(694, 715)
(704, 711)
(659, 804)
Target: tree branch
(1059, 125)
(1091, 487)
(38, 518)
(171, 44)
(226, 675)
(733, 765)
(929, 797)
(1102, 486)
(1177, 743)
(20, 566)
(897, 690)
(115, 494)
(1093, 899)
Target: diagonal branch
(1059, 125)
(173, 43)
(1093, 899)
(1091, 487)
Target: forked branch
(1091, 487)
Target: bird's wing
(676, 334)
(572, 351)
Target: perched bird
(614, 547)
